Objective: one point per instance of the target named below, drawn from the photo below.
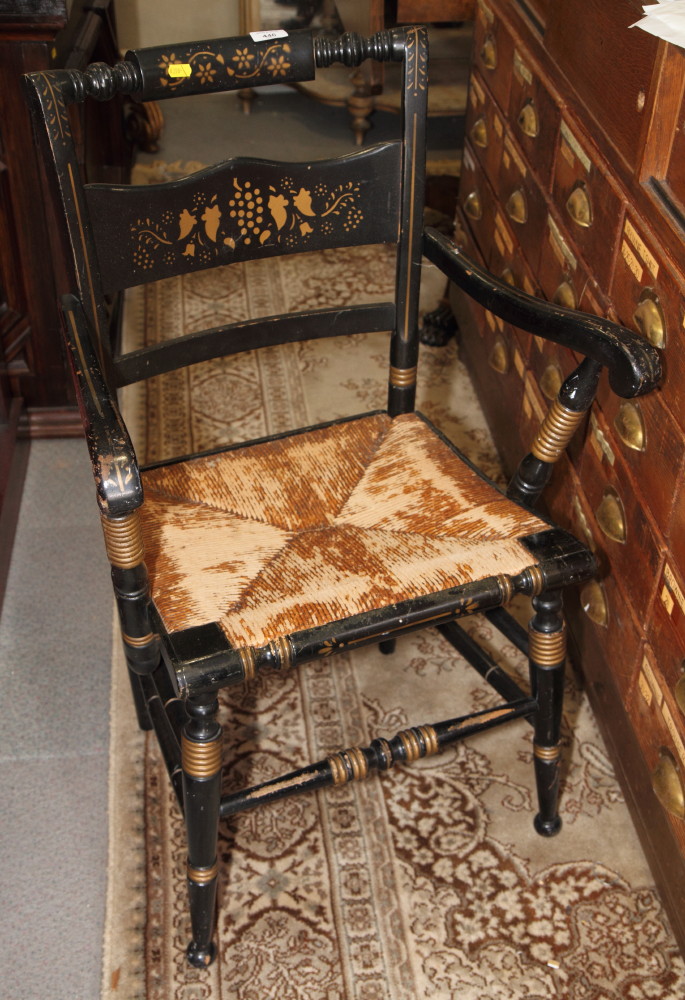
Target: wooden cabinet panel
(606, 192)
(607, 64)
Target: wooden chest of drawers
(573, 188)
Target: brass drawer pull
(668, 786)
(479, 133)
(594, 603)
(579, 208)
(551, 381)
(611, 516)
(489, 53)
(565, 296)
(528, 120)
(473, 207)
(508, 276)
(499, 357)
(630, 426)
(649, 319)
(516, 207)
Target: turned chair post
(201, 752)
(546, 657)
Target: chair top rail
(223, 64)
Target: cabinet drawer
(507, 262)
(534, 116)
(605, 617)
(626, 534)
(522, 201)
(676, 531)
(608, 63)
(587, 202)
(666, 635)
(661, 734)
(652, 446)
(496, 367)
(484, 126)
(493, 51)
(648, 297)
(476, 202)
(561, 274)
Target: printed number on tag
(266, 36)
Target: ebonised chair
(336, 536)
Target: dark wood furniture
(572, 188)
(272, 554)
(36, 393)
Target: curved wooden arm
(115, 468)
(632, 362)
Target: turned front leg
(547, 655)
(201, 746)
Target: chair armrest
(632, 362)
(115, 468)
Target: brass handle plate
(499, 357)
(517, 208)
(479, 133)
(473, 207)
(611, 516)
(630, 426)
(565, 296)
(668, 786)
(508, 276)
(594, 603)
(579, 208)
(528, 120)
(551, 381)
(649, 319)
(489, 53)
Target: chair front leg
(201, 745)
(547, 655)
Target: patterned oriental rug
(429, 882)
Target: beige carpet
(430, 881)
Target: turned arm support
(115, 468)
(632, 362)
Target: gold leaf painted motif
(207, 68)
(242, 218)
(277, 206)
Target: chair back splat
(272, 554)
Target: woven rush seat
(313, 528)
